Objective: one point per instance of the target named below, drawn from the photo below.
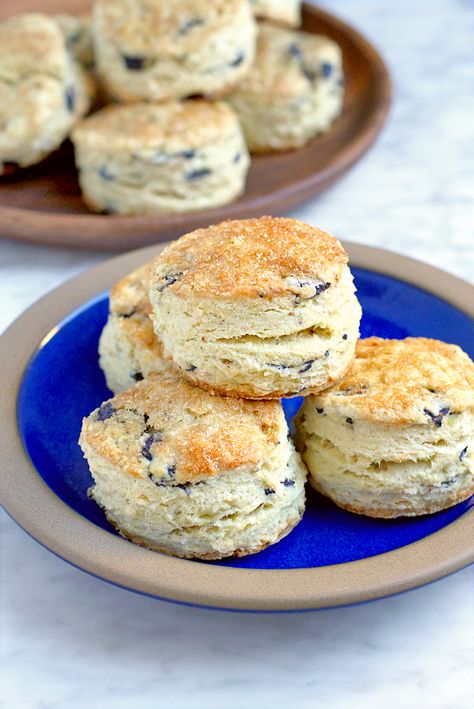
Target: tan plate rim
(51, 522)
(119, 233)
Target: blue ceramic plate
(63, 383)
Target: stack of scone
(201, 84)
(193, 456)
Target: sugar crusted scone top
(411, 381)
(129, 303)
(31, 44)
(165, 27)
(175, 125)
(251, 258)
(287, 62)
(186, 430)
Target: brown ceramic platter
(43, 204)
(37, 509)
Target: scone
(395, 437)
(129, 349)
(43, 92)
(153, 50)
(293, 92)
(161, 158)
(77, 32)
(285, 12)
(194, 475)
(258, 308)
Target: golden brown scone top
(31, 44)
(411, 381)
(163, 26)
(170, 126)
(288, 62)
(130, 305)
(170, 429)
(251, 258)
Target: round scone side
(194, 475)
(161, 158)
(43, 94)
(285, 12)
(259, 308)
(156, 51)
(395, 437)
(128, 347)
(293, 92)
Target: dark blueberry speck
(128, 315)
(294, 50)
(169, 279)
(158, 483)
(344, 337)
(448, 483)
(269, 491)
(171, 471)
(104, 174)
(134, 63)
(237, 158)
(306, 366)
(153, 438)
(191, 368)
(187, 154)
(288, 483)
(350, 421)
(326, 69)
(73, 39)
(309, 74)
(137, 376)
(280, 367)
(198, 174)
(326, 354)
(238, 59)
(320, 411)
(321, 287)
(105, 412)
(188, 25)
(437, 419)
(462, 454)
(70, 98)
(184, 487)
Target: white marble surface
(69, 641)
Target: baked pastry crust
(251, 258)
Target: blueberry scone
(257, 308)
(148, 158)
(395, 437)
(78, 36)
(129, 349)
(43, 92)
(293, 92)
(285, 12)
(183, 472)
(154, 50)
